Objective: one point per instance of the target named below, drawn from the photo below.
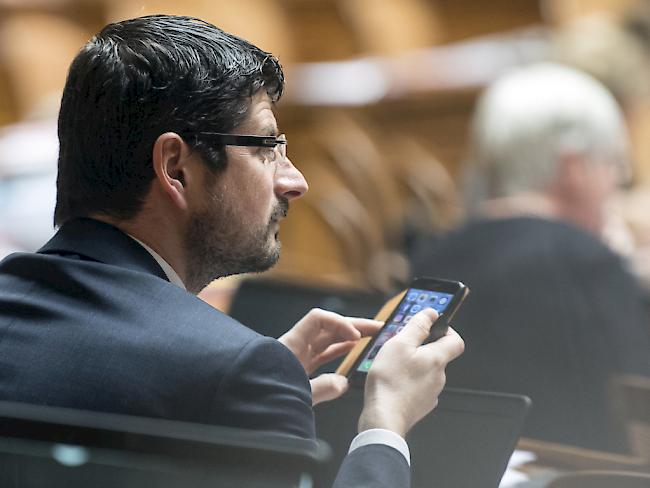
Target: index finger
(367, 327)
(333, 325)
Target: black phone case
(438, 329)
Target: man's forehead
(261, 119)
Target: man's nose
(289, 181)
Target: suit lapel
(98, 241)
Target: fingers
(367, 327)
(449, 346)
(334, 324)
(334, 351)
(348, 328)
(339, 327)
(321, 336)
(316, 331)
(328, 387)
(417, 330)
(330, 328)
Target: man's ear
(572, 168)
(170, 163)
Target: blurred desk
(553, 459)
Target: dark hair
(137, 79)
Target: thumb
(327, 387)
(416, 331)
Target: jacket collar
(99, 241)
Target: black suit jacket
(553, 314)
(91, 322)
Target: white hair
(532, 116)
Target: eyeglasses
(276, 144)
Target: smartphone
(445, 296)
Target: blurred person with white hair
(554, 313)
(548, 140)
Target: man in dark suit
(172, 172)
(554, 313)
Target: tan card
(382, 315)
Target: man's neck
(529, 204)
(542, 206)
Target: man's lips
(280, 211)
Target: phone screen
(414, 300)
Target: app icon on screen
(374, 352)
(443, 300)
(365, 366)
(415, 309)
(423, 298)
(411, 296)
(404, 307)
(398, 318)
(392, 328)
(408, 317)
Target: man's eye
(268, 154)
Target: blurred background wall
(376, 109)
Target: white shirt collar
(172, 275)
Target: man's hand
(321, 336)
(406, 377)
(328, 386)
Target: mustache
(281, 209)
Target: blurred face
(586, 185)
(601, 183)
(235, 226)
(605, 180)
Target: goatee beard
(217, 245)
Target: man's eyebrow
(269, 130)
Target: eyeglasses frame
(245, 139)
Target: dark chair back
(56, 447)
